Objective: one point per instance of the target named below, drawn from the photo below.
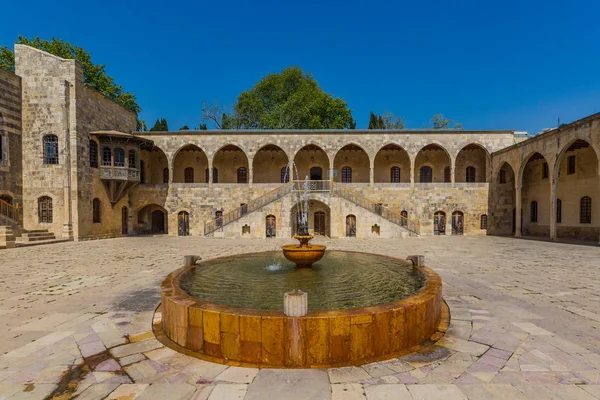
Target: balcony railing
(312, 186)
(119, 173)
(10, 211)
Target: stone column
(517, 210)
(412, 173)
(210, 173)
(452, 174)
(372, 177)
(67, 232)
(250, 172)
(552, 209)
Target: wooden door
(320, 223)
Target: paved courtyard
(76, 321)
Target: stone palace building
(73, 167)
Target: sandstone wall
(11, 183)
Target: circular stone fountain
(361, 308)
(305, 254)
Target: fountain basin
(303, 257)
(328, 338)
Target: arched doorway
(319, 218)
(124, 220)
(458, 223)
(183, 223)
(351, 226)
(158, 221)
(535, 187)
(439, 223)
(351, 164)
(311, 161)
(270, 226)
(432, 164)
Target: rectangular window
(545, 171)
(447, 173)
(483, 224)
(558, 211)
(502, 176)
(571, 165)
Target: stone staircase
(37, 235)
(12, 233)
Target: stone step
(40, 242)
(32, 235)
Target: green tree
(203, 127)
(184, 128)
(288, 100)
(94, 75)
(438, 121)
(160, 126)
(141, 125)
(373, 124)
(385, 121)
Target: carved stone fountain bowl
(304, 255)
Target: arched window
(558, 211)
(242, 175)
(346, 175)
(119, 157)
(106, 157)
(404, 220)
(395, 174)
(425, 175)
(350, 226)
(96, 210)
(285, 175)
(50, 149)
(470, 174)
(131, 160)
(165, 175)
(447, 175)
(483, 224)
(45, 210)
(585, 210)
(183, 223)
(271, 226)
(534, 211)
(93, 154)
(188, 175)
(219, 218)
(457, 223)
(502, 176)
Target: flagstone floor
(76, 321)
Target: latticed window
(132, 162)
(483, 224)
(470, 174)
(558, 211)
(45, 210)
(165, 175)
(285, 176)
(395, 174)
(404, 220)
(534, 211)
(96, 210)
(447, 175)
(585, 210)
(50, 149)
(502, 176)
(571, 165)
(119, 157)
(346, 175)
(93, 154)
(545, 171)
(242, 175)
(188, 175)
(106, 157)
(426, 175)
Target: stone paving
(76, 321)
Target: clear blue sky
(490, 65)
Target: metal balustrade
(9, 211)
(358, 199)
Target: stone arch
(318, 224)
(267, 163)
(388, 156)
(309, 156)
(535, 186)
(189, 155)
(360, 163)
(228, 159)
(153, 160)
(437, 157)
(575, 142)
(149, 219)
(473, 155)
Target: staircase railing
(252, 206)
(9, 211)
(413, 226)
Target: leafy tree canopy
(160, 126)
(184, 128)
(94, 75)
(287, 100)
(438, 121)
(385, 121)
